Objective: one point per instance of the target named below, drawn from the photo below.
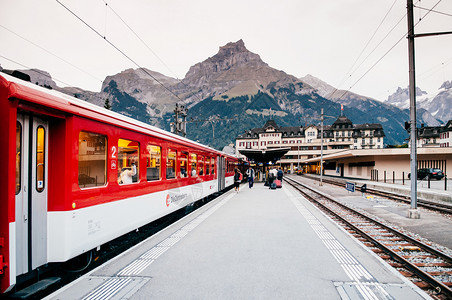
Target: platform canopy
(264, 156)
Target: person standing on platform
(250, 173)
(280, 174)
(237, 179)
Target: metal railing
(403, 178)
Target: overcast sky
(323, 38)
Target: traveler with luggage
(271, 178)
(237, 179)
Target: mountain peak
(229, 56)
(231, 48)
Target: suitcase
(278, 183)
(273, 186)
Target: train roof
(32, 93)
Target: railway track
(427, 267)
(435, 206)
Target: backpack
(240, 176)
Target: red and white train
(76, 176)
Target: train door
(31, 193)
(221, 173)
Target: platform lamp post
(321, 147)
(322, 116)
(298, 160)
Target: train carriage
(78, 176)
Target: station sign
(349, 186)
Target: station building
(350, 150)
(434, 136)
(305, 142)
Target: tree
(107, 104)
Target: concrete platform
(255, 244)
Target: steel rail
(439, 207)
(439, 286)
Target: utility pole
(179, 126)
(321, 146)
(413, 213)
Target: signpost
(349, 186)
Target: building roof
(447, 127)
(429, 132)
(264, 156)
(379, 152)
(300, 131)
(342, 120)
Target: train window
(207, 165)
(183, 163)
(92, 159)
(40, 158)
(171, 164)
(18, 157)
(201, 165)
(213, 165)
(128, 158)
(193, 160)
(153, 159)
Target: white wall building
(305, 142)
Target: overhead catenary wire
(95, 95)
(51, 53)
(147, 46)
(434, 11)
(119, 50)
(34, 70)
(137, 36)
(368, 42)
(381, 58)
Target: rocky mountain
(41, 78)
(390, 116)
(235, 90)
(233, 71)
(435, 109)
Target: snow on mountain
(439, 105)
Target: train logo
(168, 200)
